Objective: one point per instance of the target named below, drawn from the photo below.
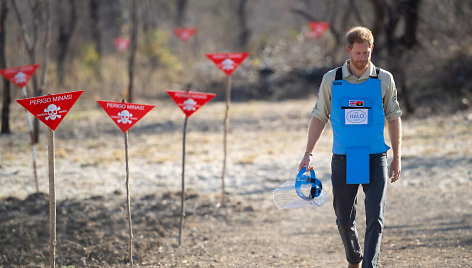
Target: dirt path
(428, 221)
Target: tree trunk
(181, 6)
(66, 29)
(398, 47)
(133, 48)
(355, 10)
(411, 24)
(244, 32)
(379, 18)
(3, 65)
(44, 70)
(94, 7)
(408, 42)
(30, 45)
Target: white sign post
(33, 149)
(227, 62)
(51, 110)
(20, 76)
(189, 102)
(52, 200)
(126, 115)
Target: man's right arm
(320, 113)
(314, 133)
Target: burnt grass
(93, 232)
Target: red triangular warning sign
(125, 115)
(318, 28)
(190, 102)
(228, 62)
(121, 43)
(51, 109)
(184, 34)
(20, 75)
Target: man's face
(360, 55)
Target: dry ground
(428, 221)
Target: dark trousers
(345, 199)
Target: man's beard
(360, 65)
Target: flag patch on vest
(356, 103)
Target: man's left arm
(395, 132)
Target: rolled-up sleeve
(322, 107)
(390, 102)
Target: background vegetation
(426, 44)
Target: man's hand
(395, 169)
(395, 133)
(305, 163)
(314, 133)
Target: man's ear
(348, 49)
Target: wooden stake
(30, 127)
(226, 129)
(182, 53)
(184, 50)
(186, 62)
(52, 201)
(129, 203)
(182, 196)
(187, 55)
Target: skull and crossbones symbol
(20, 78)
(228, 64)
(52, 112)
(189, 105)
(125, 117)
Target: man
(358, 98)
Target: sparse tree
(30, 45)
(3, 64)
(244, 32)
(45, 60)
(181, 6)
(94, 8)
(405, 15)
(133, 47)
(67, 16)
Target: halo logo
(356, 116)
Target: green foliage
(293, 34)
(155, 46)
(89, 55)
(262, 40)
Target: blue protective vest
(357, 118)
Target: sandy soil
(428, 221)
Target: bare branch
(304, 14)
(28, 44)
(354, 8)
(35, 10)
(46, 46)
